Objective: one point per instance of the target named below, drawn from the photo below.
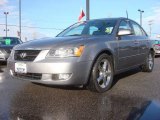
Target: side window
(92, 29)
(106, 30)
(109, 30)
(137, 29)
(101, 27)
(124, 25)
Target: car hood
(6, 48)
(49, 43)
(58, 42)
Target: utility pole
(87, 10)
(6, 13)
(20, 30)
(141, 11)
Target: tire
(149, 63)
(102, 74)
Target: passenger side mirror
(122, 32)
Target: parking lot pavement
(132, 94)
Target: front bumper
(157, 52)
(45, 70)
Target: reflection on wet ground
(72, 106)
(41, 103)
(134, 96)
(148, 111)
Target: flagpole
(87, 10)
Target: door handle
(136, 42)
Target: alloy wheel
(104, 73)
(150, 61)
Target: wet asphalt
(134, 96)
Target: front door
(128, 48)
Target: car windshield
(9, 41)
(97, 27)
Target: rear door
(142, 39)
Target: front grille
(26, 55)
(31, 76)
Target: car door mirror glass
(122, 32)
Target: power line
(155, 33)
(33, 27)
(41, 27)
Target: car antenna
(127, 14)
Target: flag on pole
(82, 14)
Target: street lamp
(87, 10)
(150, 27)
(20, 19)
(6, 13)
(141, 11)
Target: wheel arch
(152, 51)
(106, 51)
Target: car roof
(120, 18)
(9, 37)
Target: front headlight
(12, 53)
(67, 52)
(157, 47)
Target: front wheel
(102, 74)
(149, 63)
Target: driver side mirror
(122, 32)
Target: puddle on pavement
(74, 105)
(33, 102)
(148, 111)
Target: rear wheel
(102, 74)
(149, 63)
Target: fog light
(64, 76)
(11, 72)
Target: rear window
(9, 41)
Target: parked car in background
(156, 46)
(87, 53)
(6, 45)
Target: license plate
(20, 68)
